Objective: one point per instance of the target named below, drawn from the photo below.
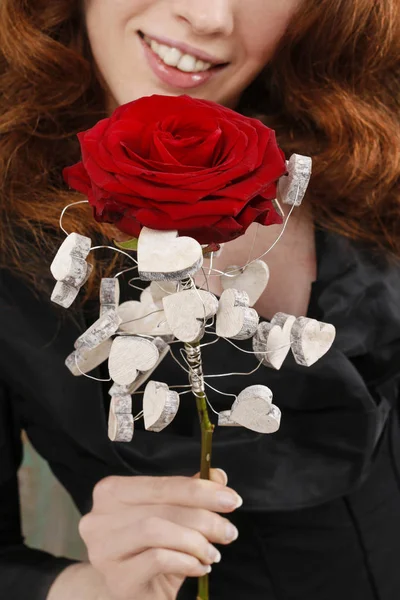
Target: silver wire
(234, 374)
(219, 392)
(254, 353)
(135, 287)
(89, 376)
(125, 271)
(115, 250)
(210, 343)
(177, 361)
(64, 211)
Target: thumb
(216, 475)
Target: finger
(179, 491)
(216, 475)
(136, 574)
(215, 528)
(154, 532)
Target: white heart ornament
(69, 265)
(163, 350)
(186, 312)
(292, 187)
(82, 362)
(122, 404)
(311, 340)
(254, 410)
(121, 390)
(160, 406)
(143, 318)
(64, 294)
(128, 356)
(120, 426)
(109, 294)
(159, 290)
(252, 279)
(163, 256)
(235, 319)
(271, 342)
(100, 331)
(225, 419)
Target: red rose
(179, 163)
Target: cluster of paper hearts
(160, 406)
(70, 269)
(308, 339)
(134, 336)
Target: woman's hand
(145, 535)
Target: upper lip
(187, 49)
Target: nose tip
(206, 16)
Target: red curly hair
(331, 91)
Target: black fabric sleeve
(24, 572)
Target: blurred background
(49, 517)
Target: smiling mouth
(175, 58)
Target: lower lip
(173, 77)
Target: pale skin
(145, 535)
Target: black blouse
(332, 413)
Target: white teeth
(187, 64)
(172, 57)
(202, 66)
(175, 58)
(162, 51)
(154, 46)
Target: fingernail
(231, 533)
(224, 475)
(213, 554)
(207, 568)
(229, 500)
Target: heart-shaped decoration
(292, 187)
(99, 332)
(109, 294)
(311, 340)
(128, 356)
(163, 256)
(144, 317)
(83, 362)
(225, 419)
(121, 390)
(160, 406)
(159, 290)
(163, 350)
(69, 264)
(235, 319)
(252, 279)
(121, 404)
(120, 419)
(271, 343)
(63, 294)
(186, 312)
(254, 410)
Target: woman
(321, 513)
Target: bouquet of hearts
(180, 178)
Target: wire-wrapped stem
(196, 379)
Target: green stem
(193, 353)
(207, 429)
